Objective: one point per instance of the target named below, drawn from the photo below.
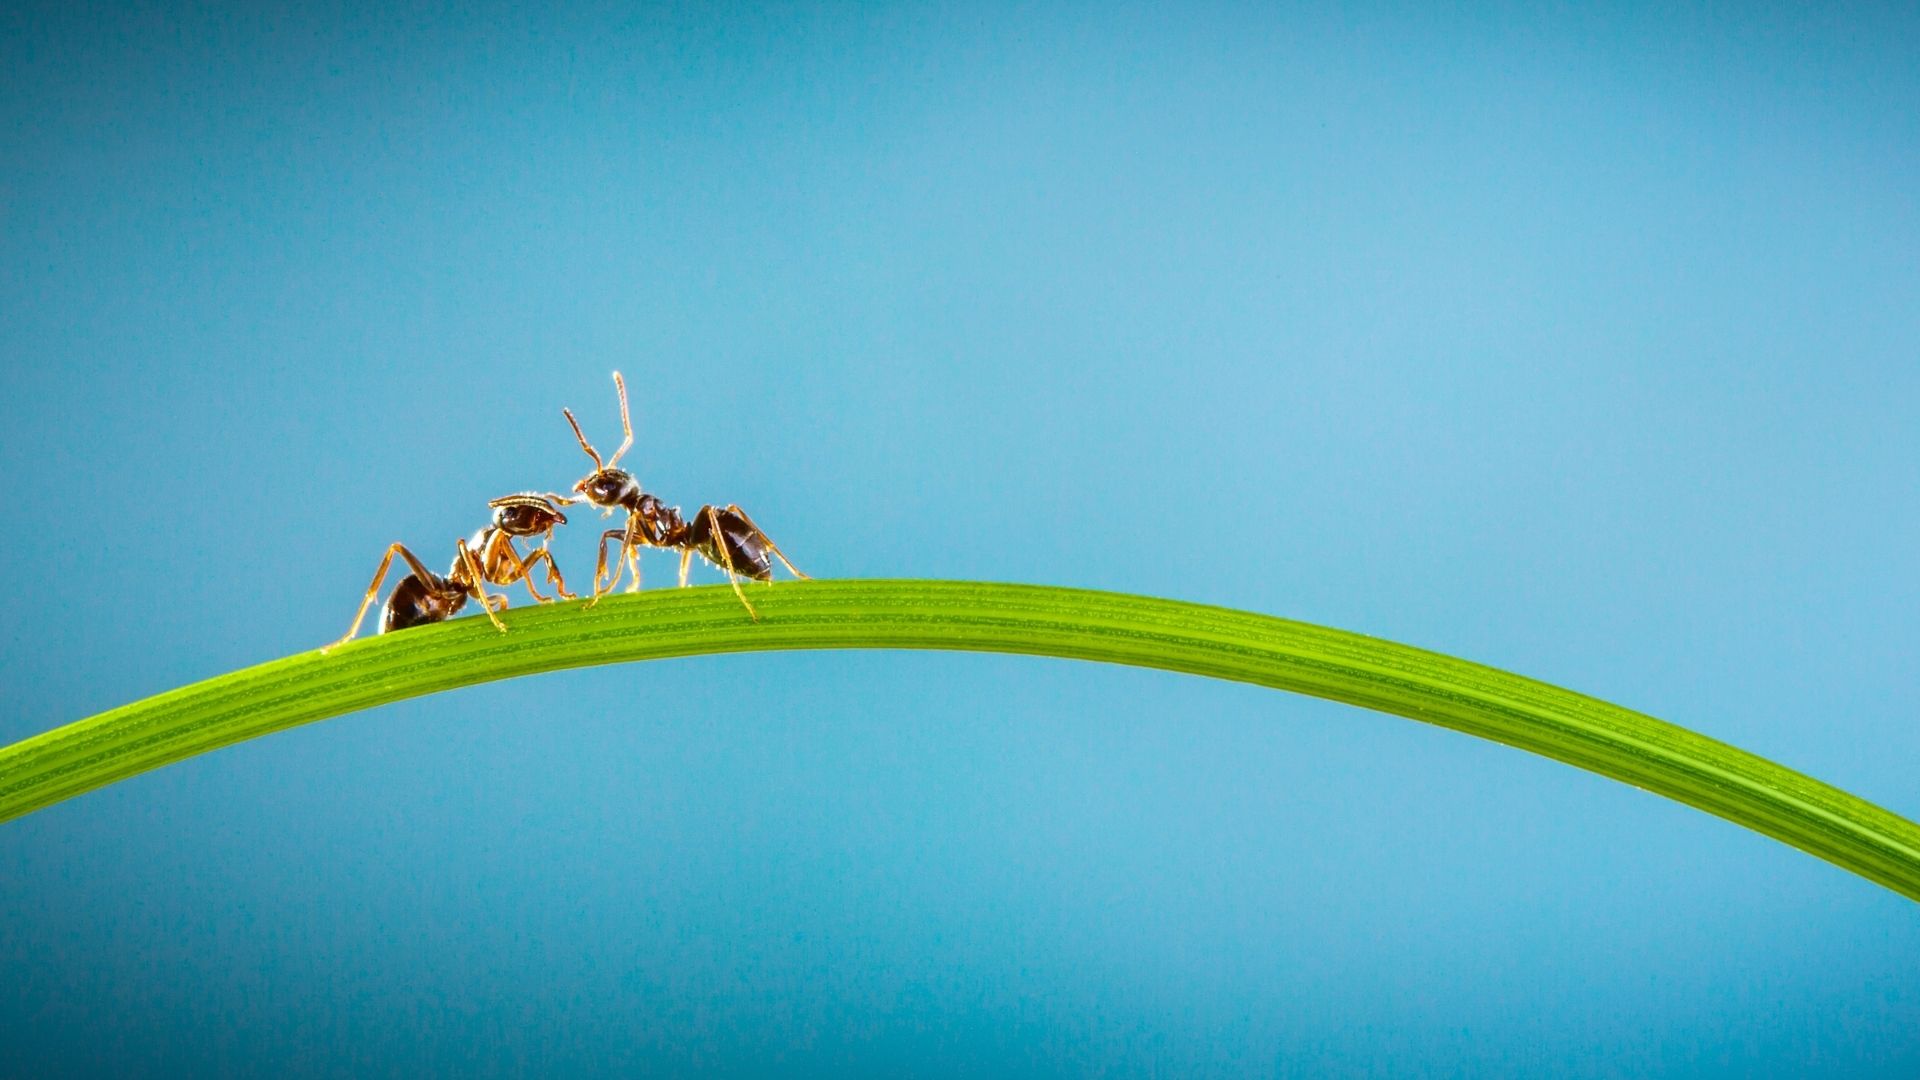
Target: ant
(724, 536)
(488, 558)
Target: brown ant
(488, 558)
(724, 536)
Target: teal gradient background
(1584, 342)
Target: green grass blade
(1141, 631)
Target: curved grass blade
(1241, 646)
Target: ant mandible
(488, 558)
(724, 536)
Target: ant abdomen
(746, 545)
(416, 603)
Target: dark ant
(488, 558)
(724, 536)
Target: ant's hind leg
(374, 590)
(771, 546)
(475, 587)
(726, 558)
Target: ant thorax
(652, 507)
(654, 522)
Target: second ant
(723, 535)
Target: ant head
(526, 514)
(607, 486)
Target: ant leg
(686, 556)
(374, 590)
(633, 565)
(553, 572)
(501, 547)
(475, 587)
(726, 558)
(600, 568)
(775, 548)
(600, 564)
(525, 569)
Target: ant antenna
(625, 424)
(584, 444)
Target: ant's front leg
(553, 572)
(524, 569)
(600, 567)
(501, 548)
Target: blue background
(1584, 342)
